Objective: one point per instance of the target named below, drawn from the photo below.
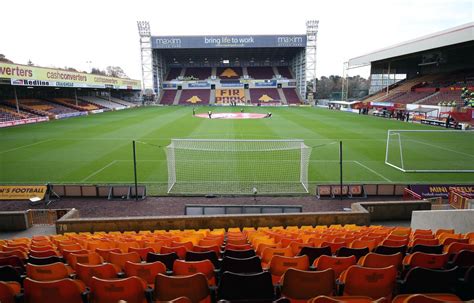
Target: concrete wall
(462, 220)
(391, 211)
(14, 221)
(361, 214)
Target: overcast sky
(70, 33)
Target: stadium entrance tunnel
(236, 116)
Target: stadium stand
(285, 72)
(41, 107)
(284, 275)
(120, 101)
(443, 96)
(101, 102)
(197, 73)
(79, 105)
(173, 74)
(264, 95)
(168, 97)
(291, 96)
(229, 72)
(261, 73)
(195, 96)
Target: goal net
(430, 150)
(202, 166)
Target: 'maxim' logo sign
(168, 42)
(290, 40)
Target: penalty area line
(373, 171)
(99, 170)
(23, 146)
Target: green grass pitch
(97, 149)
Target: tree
(332, 85)
(30, 63)
(5, 59)
(115, 71)
(97, 71)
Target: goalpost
(430, 151)
(221, 166)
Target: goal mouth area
(237, 167)
(430, 151)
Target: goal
(430, 151)
(243, 167)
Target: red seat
(65, 290)
(372, 282)
(130, 290)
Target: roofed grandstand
(267, 70)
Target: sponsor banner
(40, 76)
(23, 121)
(166, 42)
(96, 111)
(230, 95)
(169, 85)
(15, 192)
(381, 104)
(266, 83)
(231, 84)
(440, 190)
(68, 115)
(199, 84)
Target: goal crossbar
(240, 166)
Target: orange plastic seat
(343, 299)
(125, 245)
(246, 246)
(334, 245)
(380, 261)
(280, 264)
(394, 243)
(421, 241)
(370, 244)
(65, 290)
(91, 258)
(194, 287)
(41, 247)
(262, 246)
(120, 259)
(8, 291)
(179, 250)
(104, 271)
(186, 268)
(237, 241)
(66, 252)
(214, 248)
(104, 253)
(20, 254)
(130, 290)
(211, 242)
(188, 245)
(146, 271)
(269, 252)
(72, 246)
(49, 272)
(426, 298)
(42, 253)
(142, 252)
(425, 260)
(300, 286)
(338, 264)
(372, 282)
(456, 247)
(444, 231)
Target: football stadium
(220, 175)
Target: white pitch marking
(99, 170)
(23, 146)
(373, 171)
(443, 148)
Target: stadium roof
(455, 35)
